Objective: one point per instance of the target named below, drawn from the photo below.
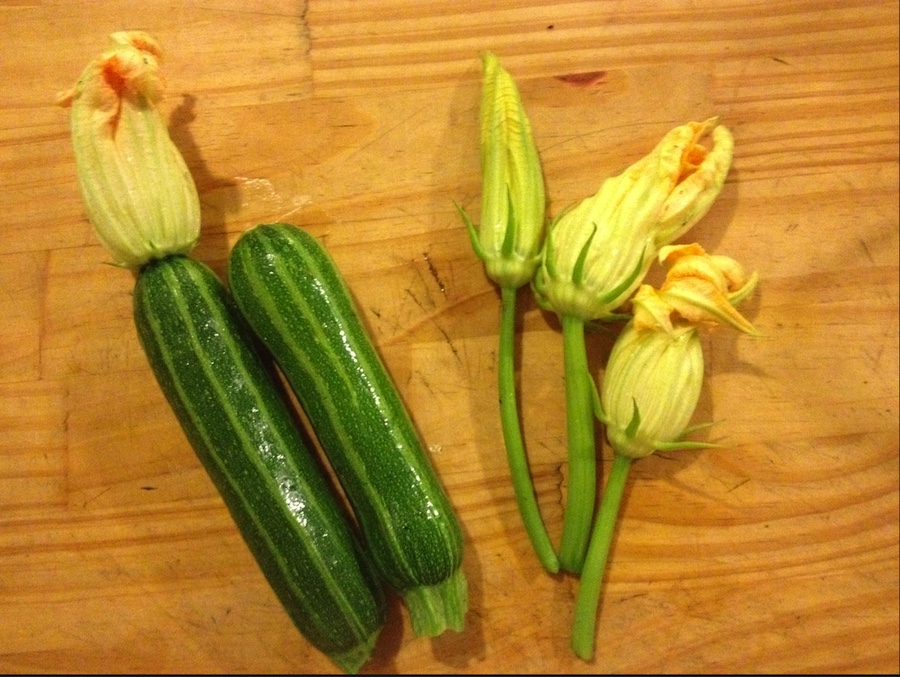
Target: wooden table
(358, 120)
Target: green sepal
(635, 423)
(507, 249)
(690, 430)
(547, 254)
(684, 445)
(578, 270)
(473, 233)
(602, 324)
(627, 282)
(597, 404)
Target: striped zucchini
(235, 417)
(289, 289)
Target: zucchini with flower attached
(293, 295)
(144, 207)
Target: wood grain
(777, 552)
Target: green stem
(512, 435)
(588, 598)
(582, 492)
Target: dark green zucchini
(292, 294)
(236, 419)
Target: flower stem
(512, 435)
(588, 598)
(579, 511)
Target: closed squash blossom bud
(137, 190)
(597, 253)
(513, 203)
(508, 242)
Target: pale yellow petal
(697, 187)
(651, 311)
(672, 252)
(699, 267)
(700, 301)
(731, 270)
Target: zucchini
(224, 395)
(292, 294)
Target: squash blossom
(509, 242)
(655, 370)
(136, 188)
(650, 390)
(597, 253)
(513, 203)
(594, 258)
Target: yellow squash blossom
(597, 253)
(654, 374)
(650, 390)
(513, 203)
(509, 242)
(137, 190)
(700, 288)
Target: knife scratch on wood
(434, 273)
